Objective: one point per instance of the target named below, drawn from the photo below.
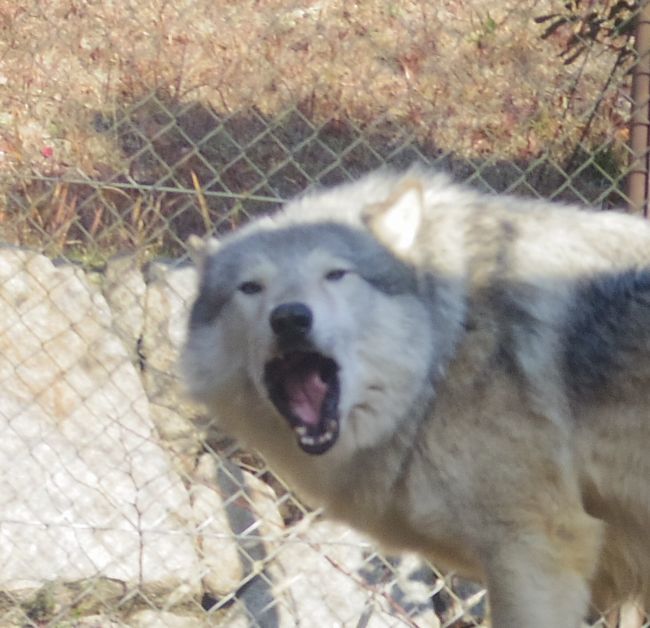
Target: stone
(171, 288)
(170, 291)
(85, 487)
(237, 523)
(335, 578)
(239, 530)
(124, 289)
(164, 619)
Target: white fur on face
(337, 327)
(206, 370)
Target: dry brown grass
(286, 92)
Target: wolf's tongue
(306, 396)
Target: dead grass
(257, 99)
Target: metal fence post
(637, 181)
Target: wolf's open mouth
(304, 387)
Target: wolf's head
(307, 326)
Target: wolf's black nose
(291, 320)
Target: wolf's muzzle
(302, 383)
(291, 321)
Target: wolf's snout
(291, 321)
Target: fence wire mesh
(124, 128)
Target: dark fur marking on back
(506, 303)
(608, 324)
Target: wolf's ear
(199, 248)
(396, 221)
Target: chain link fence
(126, 127)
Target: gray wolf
(459, 374)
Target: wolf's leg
(542, 580)
(524, 596)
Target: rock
(163, 619)
(170, 292)
(92, 621)
(84, 486)
(238, 526)
(56, 600)
(125, 291)
(240, 565)
(338, 580)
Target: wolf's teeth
(319, 439)
(326, 437)
(332, 425)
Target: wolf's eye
(336, 274)
(250, 287)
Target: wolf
(460, 374)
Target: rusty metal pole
(638, 180)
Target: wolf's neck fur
(365, 484)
